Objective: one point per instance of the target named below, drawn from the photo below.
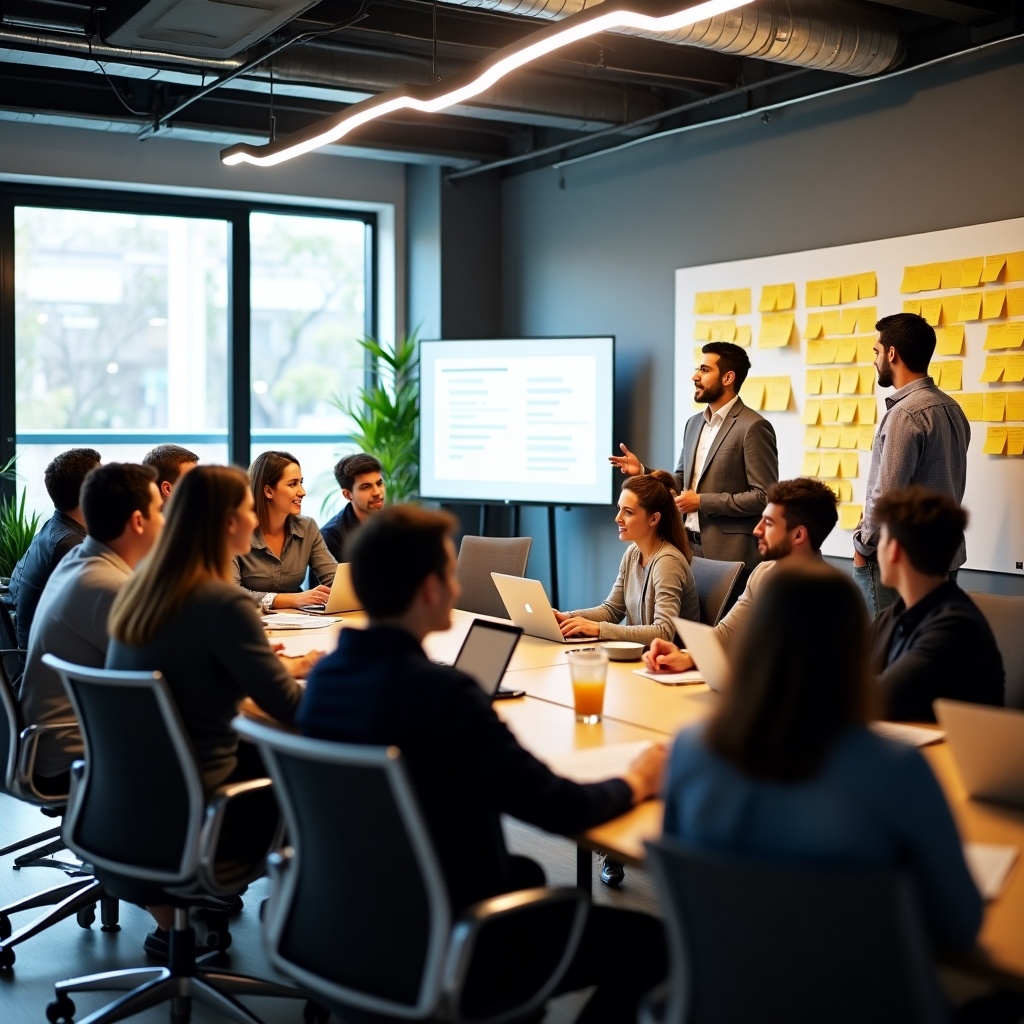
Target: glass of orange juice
(589, 670)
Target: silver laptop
(529, 608)
(485, 654)
(343, 597)
(987, 744)
(702, 644)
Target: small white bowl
(623, 650)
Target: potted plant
(387, 414)
(17, 527)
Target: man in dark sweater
(362, 486)
(934, 641)
(378, 687)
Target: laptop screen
(486, 652)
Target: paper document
(989, 865)
(298, 621)
(671, 678)
(595, 764)
(915, 735)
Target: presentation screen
(517, 420)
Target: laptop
(529, 608)
(987, 744)
(485, 654)
(702, 644)
(342, 598)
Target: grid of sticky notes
(769, 393)
(983, 289)
(717, 316)
(841, 409)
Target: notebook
(987, 744)
(529, 608)
(342, 598)
(485, 654)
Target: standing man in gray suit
(728, 461)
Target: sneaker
(612, 873)
(158, 946)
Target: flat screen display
(517, 420)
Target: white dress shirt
(708, 432)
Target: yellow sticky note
(848, 288)
(830, 463)
(812, 413)
(753, 392)
(912, 306)
(995, 441)
(723, 330)
(847, 410)
(865, 350)
(949, 341)
(994, 367)
(830, 436)
(815, 326)
(867, 317)
(867, 380)
(866, 409)
(1015, 266)
(995, 407)
(973, 405)
(702, 330)
(971, 274)
(1015, 405)
(704, 302)
(992, 303)
(812, 382)
(830, 382)
(951, 309)
(1015, 302)
(832, 321)
(845, 490)
(1014, 372)
(952, 376)
(934, 369)
(813, 293)
(827, 351)
(787, 296)
(769, 299)
(777, 391)
(848, 437)
(776, 329)
(846, 350)
(725, 303)
(831, 291)
(850, 516)
(911, 280)
(931, 310)
(812, 437)
(1015, 440)
(867, 285)
(741, 299)
(993, 268)
(849, 380)
(952, 273)
(866, 437)
(995, 336)
(743, 335)
(970, 306)
(810, 464)
(849, 464)
(931, 277)
(847, 321)
(829, 410)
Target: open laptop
(987, 744)
(485, 654)
(703, 645)
(342, 598)
(529, 608)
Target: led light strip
(462, 87)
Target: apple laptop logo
(529, 610)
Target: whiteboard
(995, 483)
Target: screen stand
(554, 556)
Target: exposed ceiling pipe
(827, 35)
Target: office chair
(365, 879)
(1005, 615)
(138, 814)
(478, 558)
(762, 942)
(78, 896)
(715, 582)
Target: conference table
(638, 709)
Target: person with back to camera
(285, 543)
(788, 770)
(654, 582)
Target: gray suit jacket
(742, 463)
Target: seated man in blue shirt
(362, 486)
(934, 641)
(467, 768)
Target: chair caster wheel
(314, 1013)
(60, 1011)
(5, 927)
(86, 917)
(6, 958)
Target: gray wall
(936, 148)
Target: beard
(884, 373)
(776, 551)
(712, 393)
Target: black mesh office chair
(79, 895)
(715, 583)
(478, 558)
(762, 942)
(364, 878)
(138, 814)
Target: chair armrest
(28, 746)
(557, 916)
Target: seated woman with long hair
(285, 544)
(788, 770)
(654, 582)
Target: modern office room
(151, 292)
